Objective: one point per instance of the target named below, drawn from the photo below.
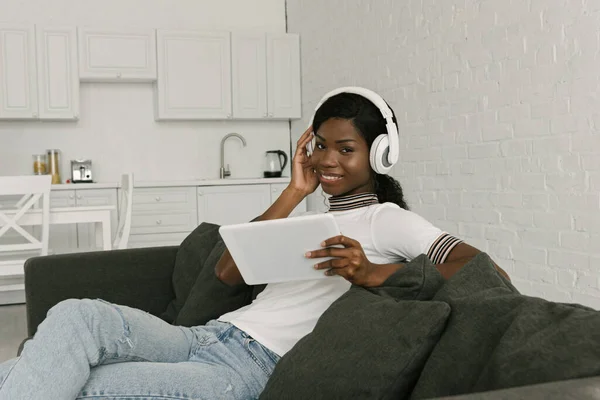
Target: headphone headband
(386, 112)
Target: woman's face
(341, 159)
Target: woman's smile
(328, 178)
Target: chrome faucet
(226, 172)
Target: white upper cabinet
(117, 55)
(194, 75)
(283, 75)
(58, 78)
(18, 81)
(249, 73)
(266, 75)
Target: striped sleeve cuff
(442, 246)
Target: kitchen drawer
(156, 240)
(163, 222)
(171, 199)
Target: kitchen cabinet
(162, 216)
(225, 205)
(39, 77)
(125, 55)
(266, 75)
(277, 189)
(249, 75)
(58, 77)
(70, 238)
(18, 81)
(283, 75)
(194, 75)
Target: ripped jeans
(91, 349)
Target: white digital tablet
(273, 251)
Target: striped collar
(343, 203)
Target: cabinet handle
(79, 196)
(158, 222)
(270, 115)
(118, 75)
(274, 190)
(35, 115)
(71, 196)
(157, 198)
(200, 194)
(229, 116)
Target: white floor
(13, 329)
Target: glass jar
(39, 164)
(54, 165)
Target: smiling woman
(82, 348)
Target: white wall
(116, 127)
(499, 116)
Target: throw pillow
(210, 298)
(192, 253)
(497, 338)
(365, 345)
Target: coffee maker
(81, 171)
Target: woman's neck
(352, 201)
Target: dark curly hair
(368, 121)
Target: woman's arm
(304, 181)
(459, 256)
(351, 262)
(226, 270)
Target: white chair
(125, 208)
(14, 253)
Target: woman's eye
(320, 146)
(347, 150)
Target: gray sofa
(417, 336)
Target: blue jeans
(91, 349)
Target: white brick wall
(499, 115)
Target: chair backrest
(32, 189)
(125, 208)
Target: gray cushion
(190, 259)
(210, 298)
(366, 345)
(497, 338)
(199, 295)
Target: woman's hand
(304, 178)
(350, 262)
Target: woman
(94, 349)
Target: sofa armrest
(139, 278)
(573, 389)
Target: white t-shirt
(285, 312)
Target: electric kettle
(273, 164)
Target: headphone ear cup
(379, 153)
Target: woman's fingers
(329, 252)
(333, 263)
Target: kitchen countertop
(174, 183)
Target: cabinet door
(163, 210)
(249, 74)
(277, 188)
(58, 77)
(194, 75)
(86, 233)
(232, 204)
(18, 81)
(283, 75)
(117, 55)
(63, 237)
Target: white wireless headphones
(386, 147)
